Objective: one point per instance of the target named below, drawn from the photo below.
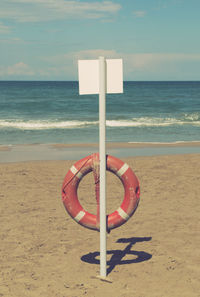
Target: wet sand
(76, 151)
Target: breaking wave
(44, 125)
(187, 119)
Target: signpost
(100, 77)
(102, 157)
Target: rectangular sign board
(88, 73)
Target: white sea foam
(151, 122)
(43, 125)
(164, 143)
(192, 119)
(195, 116)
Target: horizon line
(38, 80)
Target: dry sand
(43, 252)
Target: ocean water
(54, 112)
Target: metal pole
(102, 157)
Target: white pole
(102, 156)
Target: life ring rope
(76, 173)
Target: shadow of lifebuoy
(118, 255)
(116, 258)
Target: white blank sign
(88, 73)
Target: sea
(51, 112)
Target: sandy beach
(43, 252)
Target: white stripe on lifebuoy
(76, 172)
(123, 169)
(123, 214)
(79, 216)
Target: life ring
(83, 167)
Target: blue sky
(43, 39)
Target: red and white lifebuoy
(83, 167)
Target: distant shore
(75, 151)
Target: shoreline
(76, 151)
(132, 144)
(110, 144)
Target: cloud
(11, 40)
(139, 13)
(17, 69)
(73, 57)
(66, 64)
(91, 54)
(162, 66)
(4, 29)
(136, 65)
(146, 60)
(140, 61)
(47, 10)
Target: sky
(44, 39)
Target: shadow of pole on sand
(118, 255)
